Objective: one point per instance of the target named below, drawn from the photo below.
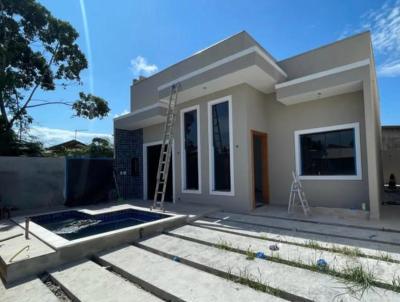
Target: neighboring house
(391, 152)
(71, 145)
(245, 121)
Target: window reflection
(191, 150)
(328, 153)
(221, 146)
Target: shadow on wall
(88, 180)
(31, 182)
(41, 182)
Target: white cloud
(139, 66)
(391, 69)
(52, 136)
(122, 113)
(384, 24)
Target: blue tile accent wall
(129, 144)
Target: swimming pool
(73, 225)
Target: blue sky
(125, 38)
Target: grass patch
(396, 283)
(386, 257)
(250, 255)
(358, 279)
(224, 245)
(244, 277)
(313, 245)
(348, 251)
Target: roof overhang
(147, 116)
(252, 66)
(339, 80)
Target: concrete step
(300, 282)
(376, 236)
(88, 281)
(30, 291)
(384, 271)
(176, 281)
(256, 231)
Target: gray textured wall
(241, 199)
(145, 93)
(338, 53)
(32, 182)
(390, 138)
(280, 122)
(391, 152)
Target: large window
(330, 152)
(190, 135)
(220, 138)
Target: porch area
(258, 255)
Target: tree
(10, 145)
(38, 51)
(100, 147)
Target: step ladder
(296, 190)
(166, 150)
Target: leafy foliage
(38, 51)
(99, 147)
(10, 145)
(90, 106)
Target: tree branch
(3, 63)
(50, 103)
(21, 110)
(3, 109)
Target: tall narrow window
(190, 150)
(220, 147)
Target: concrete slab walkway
(384, 271)
(212, 259)
(387, 241)
(177, 281)
(29, 291)
(298, 237)
(314, 286)
(373, 236)
(89, 282)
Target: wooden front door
(259, 152)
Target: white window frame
(356, 127)
(145, 145)
(211, 147)
(183, 151)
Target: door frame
(265, 166)
(154, 143)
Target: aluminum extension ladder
(166, 149)
(296, 189)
